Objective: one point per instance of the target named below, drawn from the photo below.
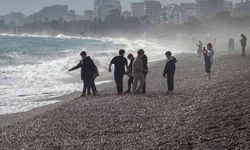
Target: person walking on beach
(120, 63)
(199, 51)
(231, 44)
(243, 42)
(170, 71)
(131, 78)
(145, 67)
(208, 58)
(138, 73)
(89, 72)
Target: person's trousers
(138, 77)
(119, 82)
(243, 51)
(89, 83)
(130, 82)
(144, 86)
(170, 80)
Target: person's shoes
(139, 92)
(83, 95)
(127, 92)
(168, 93)
(89, 93)
(94, 93)
(119, 93)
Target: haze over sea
(34, 68)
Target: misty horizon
(78, 5)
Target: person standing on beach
(145, 67)
(131, 78)
(138, 73)
(199, 51)
(243, 42)
(89, 72)
(208, 58)
(120, 63)
(231, 44)
(170, 71)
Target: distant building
(127, 14)
(72, 13)
(13, 19)
(188, 12)
(152, 9)
(88, 14)
(137, 9)
(102, 8)
(207, 9)
(171, 14)
(241, 9)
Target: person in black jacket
(145, 67)
(243, 42)
(170, 71)
(131, 78)
(88, 73)
(120, 63)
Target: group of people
(136, 70)
(208, 53)
(243, 43)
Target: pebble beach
(201, 114)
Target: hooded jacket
(88, 68)
(170, 66)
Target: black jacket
(88, 68)
(170, 66)
(130, 66)
(243, 41)
(145, 63)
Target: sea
(34, 68)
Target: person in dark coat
(243, 44)
(120, 63)
(131, 78)
(170, 71)
(145, 67)
(89, 72)
(208, 58)
(231, 44)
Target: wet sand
(202, 114)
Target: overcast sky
(31, 6)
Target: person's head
(140, 52)
(168, 54)
(209, 46)
(83, 54)
(121, 52)
(130, 56)
(242, 35)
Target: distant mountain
(53, 12)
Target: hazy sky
(31, 6)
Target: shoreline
(8, 119)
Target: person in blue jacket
(89, 72)
(170, 71)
